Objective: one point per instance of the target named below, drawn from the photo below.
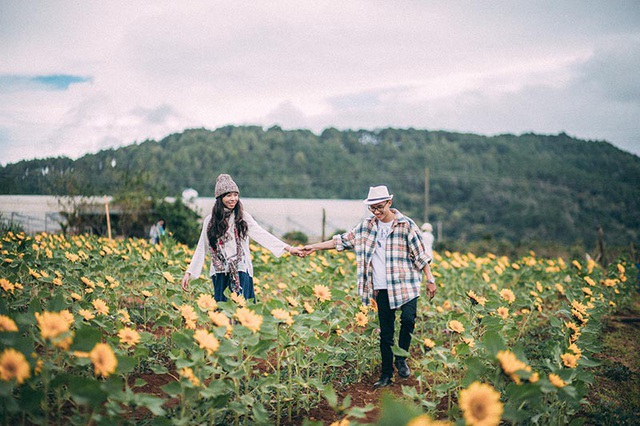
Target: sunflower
(425, 420)
(556, 381)
(101, 306)
(86, 314)
(511, 365)
(322, 292)
(189, 315)
(124, 315)
(503, 312)
(206, 341)
(104, 360)
(456, 326)
(361, 319)
(7, 324)
(480, 404)
(282, 315)
(187, 373)
(52, 324)
(206, 302)
(129, 336)
(167, 276)
(475, 299)
(569, 360)
(219, 319)
(249, 319)
(308, 307)
(239, 299)
(14, 365)
(7, 285)
(293, 302)
(430, 344)
(508, 295)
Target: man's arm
(325, 245)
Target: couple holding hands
(390, 258)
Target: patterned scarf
(220, 261)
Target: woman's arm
(197, 260)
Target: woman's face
(230, 199)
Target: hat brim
(371, 201)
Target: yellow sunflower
(322, 292)
(456, 326)
(206, 341)
(51, 324)
(104, 360)
(129, 336)
(480, 404)
(508, 295)
(206, 302)
(282, 315)
(7, 324)
(249, 319)
(556, 381)
(14, 365)
(100, 306)
(362, 319)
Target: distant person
(157, 232)
(427, 238)
(390, 260)
(225, 237)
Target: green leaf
(151, 402)
(87, 391)
(331, 396)
(86, 338)
(172, 388)
(493, 343)
(126, 364)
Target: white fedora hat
(378, 194)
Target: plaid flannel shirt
(405, 257)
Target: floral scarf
(221, 263)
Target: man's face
(382, 211)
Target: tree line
(510, 190)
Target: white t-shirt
(378, 260)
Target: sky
(77, 77)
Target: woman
(225, 235)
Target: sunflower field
(99, 331)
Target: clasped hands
(302, 251)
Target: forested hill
(513, 188)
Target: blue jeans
(387, 318)
(222, 281)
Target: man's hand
(431, 289)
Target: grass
(615, 396)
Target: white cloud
(505, 66)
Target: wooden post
(106, 208)
(426, 194)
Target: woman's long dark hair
(218, 225)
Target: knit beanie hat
(225, 184)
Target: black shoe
(383, 382)
(403, 368)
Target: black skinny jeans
(386, 318)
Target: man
(390, 259)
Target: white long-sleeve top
(255, 232)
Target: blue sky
(77, 77)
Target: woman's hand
(185, 281)
(296, 251)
